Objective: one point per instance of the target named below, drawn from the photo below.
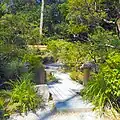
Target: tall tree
(41, 17)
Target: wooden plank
(40, 47)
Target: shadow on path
(53, 111)
(48, 114)
(65, 103)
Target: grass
(21, 98)
(50, 77)
(77, 76)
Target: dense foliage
(75, 31)
(17, 61)
(21, 98)
(67, 52)
(105, 86)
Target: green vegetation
(75, 32)
(17, 61)
(22, 97)
(77, 76)
(50, 77)
(67, 52)
(104, 87)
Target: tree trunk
(95, 5)
(41, 17)
(118, 26)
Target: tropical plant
(104, 88)
(22, 97)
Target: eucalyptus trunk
(41, 17)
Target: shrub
(10, 61)
(48, 59)
(22, 97)
(104, 90)
(77, 76)
(55, 47)
(34, 61)
(12, 69)
(50, 77)
(72, 55)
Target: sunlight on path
(68, 104)
(64, 93)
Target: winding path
(68, 103)
(64, 93)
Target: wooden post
(86, 68)
(40, 77)
(86, 76)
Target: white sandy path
(63, 90)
